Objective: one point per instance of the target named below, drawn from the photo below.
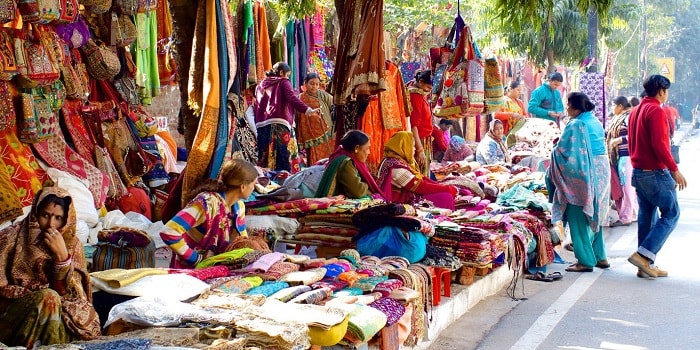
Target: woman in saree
(214, 218)
(274, 106)
(346, 172)
(401, 180)
(513, 109)
(492, 149)
(578, 182)
(45, 293)
(314, 131)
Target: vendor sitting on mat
(214, 218)
(402, 182)
(346, 172)
(45, 293)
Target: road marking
(627, 240)
(540, 329)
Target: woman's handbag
(37, 63)
(103, 160)
(37, 121)
(123, 248)
(102, 61)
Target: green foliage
(294, 9)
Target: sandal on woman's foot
(540, 276)
(569, 247)
(555, 276)
(579, 268)
(602, 264)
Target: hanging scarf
(499, 140)
(618, 122)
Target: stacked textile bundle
(332, 230)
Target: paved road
(607, 309)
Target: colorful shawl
(573, 176)
(335, 160)
(28, 266)
(314, 132)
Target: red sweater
(421, 116)
(649, 137)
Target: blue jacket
(543, 100)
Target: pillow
(83, 201)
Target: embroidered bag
(124, 30)
(125, 7)
(37, 64)
(454, 85)
(8, 60)
(103, 160)
(102, 61)
(39, 11)
(75, 84)
(96, 7)
(70, 9)
(76, 34)
(38, 121)
(8, 9)
(475, 78)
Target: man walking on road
(655, 176)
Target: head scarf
(28, 266)
(400, 146)
(456, 142)
(498, 140)
(361, 167)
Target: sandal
(540, 276)
(579, 268)
(569, 247)
(555, 276)
(603, 264)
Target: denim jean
(656, 193)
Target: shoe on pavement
(659, 273)
(642, 264)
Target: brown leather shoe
(659, 273)
(642, 264)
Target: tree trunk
(593, 38)
(184, 14)
(551, 63)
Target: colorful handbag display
(37, 64)
(37, 121)
(8, 60)
(102, 61)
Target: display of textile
(593, 85)
(295, 206)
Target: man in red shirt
(655, 176)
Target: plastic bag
(392, 241)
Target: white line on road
(540, 329)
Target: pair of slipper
(540, 276)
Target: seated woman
(346, 172)
(458, 150)
(45, 293)
(402, 182)
(214, 218)
(492, 149)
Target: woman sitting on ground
(492, 149)
(45, 293)
(346, 172)
(214, 218)
(402, 182)
(458, 150)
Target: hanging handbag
(8, 60)
(475, 78)
(8, 10)
(69, 11)
(76, 34)
(103, 160)
(453, 94)
(126, 7)
(37, 120)
(37, 64)
(39, 11)
(124, 30)
(102, 61)
(74, 81)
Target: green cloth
(521, 197)
(223, 258)
(145, 49)
(589, 247)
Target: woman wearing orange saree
(314, 131)
(513, 109)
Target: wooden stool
(441, 280)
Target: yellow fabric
(117, 278)
(330, 337)
(401, 146)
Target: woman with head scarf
(346, 172)
(458, 150)
(492, 149)
(45, 293)
(578, 182)
(422, 119)
(513, 109)
(401, 180)
(274, 106)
